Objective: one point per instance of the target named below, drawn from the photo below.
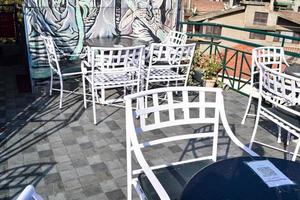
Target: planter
(209, 82)
(198, 76)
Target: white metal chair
(169, 64)
(29, 194)
(63, 68)
(282, 91)
(175, 37)
(166, 181)
(273, 57)
(111, 68)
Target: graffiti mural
(70, 22)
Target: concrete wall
(236, 19)
(250, 12)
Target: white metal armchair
(282, 91)
(272, 57)
(29, 194)
(64, 69)
(166, 181)
(111, 68)
(169, 64)
(175, 37)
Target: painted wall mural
(70, 22)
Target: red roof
(206, 5)
(239, 61)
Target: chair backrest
(29, 194)
(175, 37)
(170, 56)
(181, 105)
(51, 53)
(273, 57)
(116, 60)
(278, 87)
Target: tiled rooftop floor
(65, 156)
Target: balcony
(67, 157)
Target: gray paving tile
(71, 158)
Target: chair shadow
(272, 129)
(224, 142)
(42, 111)
(14, 180)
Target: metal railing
(236, 63)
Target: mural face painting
(148, 19)
(70, 22)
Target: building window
(296, 41)
(215, 30)
(257, 36)
(260, 18)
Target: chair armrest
(84, 66)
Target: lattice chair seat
(157, 74)
(172, 178)
(112, 79)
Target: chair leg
(94, 105)
(51, 82)
(61, 92)
(103, 96)
(296, 150)
(288, 138)
(247, 109)
(84, 91)
(256, 123)
(129, 168)
(279, 134)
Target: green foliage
(208, 65)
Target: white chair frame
(108, 68)
(169, 63)
(282, 91)
(29, 193)
(55, 68)
(134, 146)
(175, 37)
(265, 56)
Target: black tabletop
(293, 70)
(114, 42)
(232, 179)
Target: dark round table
(293, 70)
(114, 42)
(233, 179)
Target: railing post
(224, 64)
(283, 41)
(211, 45)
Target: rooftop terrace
(65, 156)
